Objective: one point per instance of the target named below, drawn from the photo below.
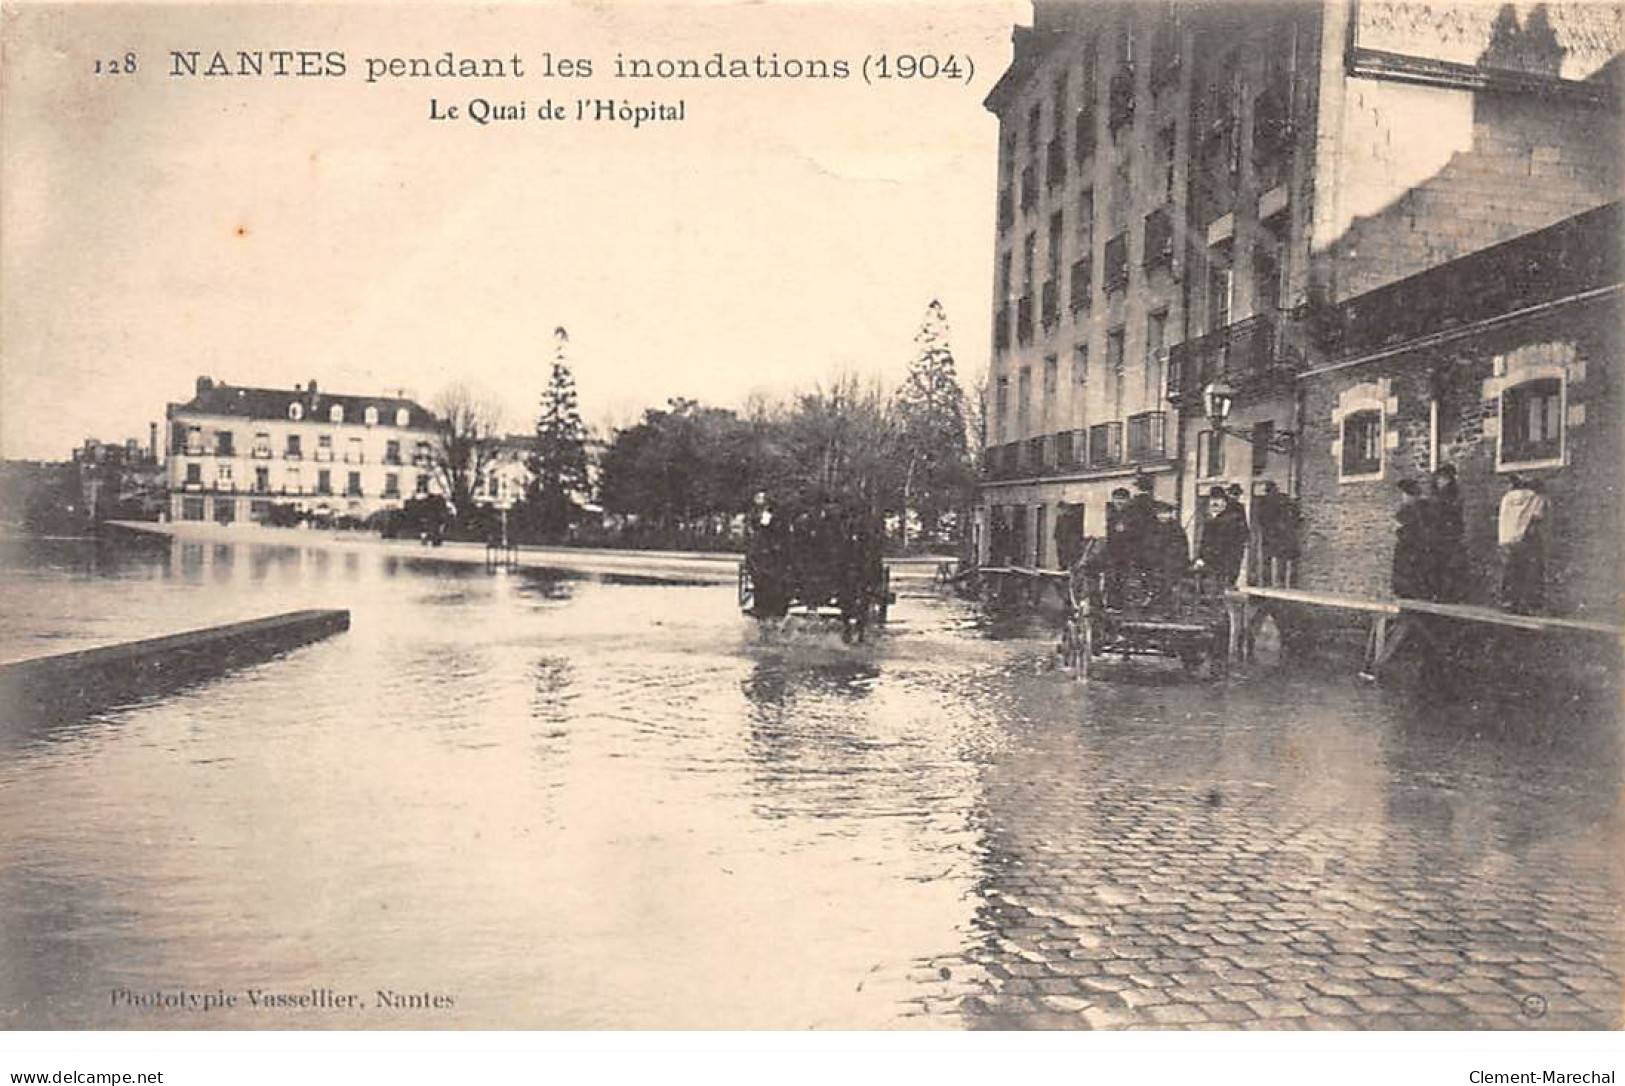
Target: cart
(817, 559)
(1126, 611)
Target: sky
(270, 231)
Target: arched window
(296, 411)
(1532, 422)
(336, 413)
(403, 417)
(372, 416)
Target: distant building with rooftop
(235, 451)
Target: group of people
(1428, 538)
(1429, 549)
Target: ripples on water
(572, 803)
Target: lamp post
(1217, 400)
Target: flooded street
(564, 803)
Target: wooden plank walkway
(1393, 619)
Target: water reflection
(583, 803)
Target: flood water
(562, 802)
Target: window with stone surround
(1532, 423)
(1362, 445)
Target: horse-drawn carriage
(818, 557)
(1144, 600)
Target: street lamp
(1217, 400)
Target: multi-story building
(1189, 195)
(235, 452)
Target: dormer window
(372, 416)
(296, 411)
(336, 413)
(403, 417)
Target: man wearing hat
(1224, 537)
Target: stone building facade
(1189, 193)
(235, 452)
(1519, 373)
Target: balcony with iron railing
(1253, 355)
(1105, 444)
(1147, 437)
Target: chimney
(152, 441)
(204, 384)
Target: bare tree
(467, 435)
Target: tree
(466, 443)
(840, 438)
(931, 428)
(558, 463)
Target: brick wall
(1348, 525)
(1424, 175)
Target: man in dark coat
(1444, 544)
(1224, 538)
(1411, 551)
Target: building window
(392, 485)
(1362, 444)
(1080, 364)
(262, 480)
(1052, 368)
(262, 445)
(422, 454)
(1263, 434)
(423, 483)
(223, 443)
(1034, 123)
(352, 451)
(293, 451)
(1532, 423)
(290, 481)
(324, 447)
(1024, 398)
(324, 481)
(1029, 256)
(335, 413)
(223, 475)
(1056, 228)
(194, 440)
(1210, 454)
(1116, 259)
(1220, 282)
(392, 452)
(352, 485)
(403, 417)
(194, 474)
(1156, 358)
(191, 508)
(371, 416)
(296, 411)
(1114, 352)
(1001, 405)
(225, 511)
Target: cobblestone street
(1246, 857)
